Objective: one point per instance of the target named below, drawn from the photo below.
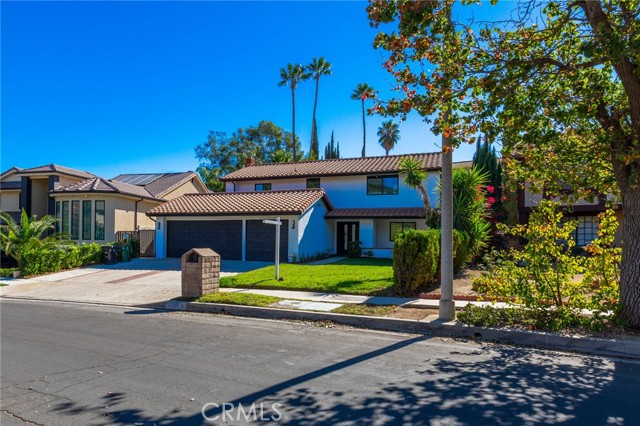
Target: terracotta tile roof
(158, 184)
(101, 185)
(54, 168)
(337, 167)
(462, 164)
(379, 213)
(241, 203)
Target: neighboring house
(324, 205)
(585, 212)
(29, 188)
(93, 210)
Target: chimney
(249, 161)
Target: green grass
(349, 276)
(369, 310)
(239, 299)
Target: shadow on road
(495, 386)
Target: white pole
(447, 306)
(278, 248)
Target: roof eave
(98, 191)
(244, 179)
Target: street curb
(585, 345)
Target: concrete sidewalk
(354, 299)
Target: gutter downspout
(135, 215)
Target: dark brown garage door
(222, 236)
(261, 241)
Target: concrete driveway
(141, 282)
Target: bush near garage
(37, 260)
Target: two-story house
(322, 204)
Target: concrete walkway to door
(141, 282)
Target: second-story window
(313, 183)
(263, 187)
(382, 185)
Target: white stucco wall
(351, 191)
(314, 234)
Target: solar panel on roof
(140, 180)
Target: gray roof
(157, 184)
(101, 185)
(54, 168)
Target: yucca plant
(28, 234)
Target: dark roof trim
(6, 186)
(102, 191)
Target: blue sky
(125, 87)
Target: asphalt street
(72, 364)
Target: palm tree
(362, 93)
(389, 135)
(415, 177)
(317, 68)
(29, 233)
(291, 76)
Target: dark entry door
(347, 232)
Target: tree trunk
(364, 134)
(630, 268)
(425, 197)
(314, 148)
(293, 120)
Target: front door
(347, 232)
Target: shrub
(38, 260)
(530, 319)
(7, 272)
(416, 256)
(543, 274)
(354, 249)
(461, 250)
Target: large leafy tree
(291, 76)
(558, 84)
(221, 154)
(388, 135)
(317, 68)
(362, 93)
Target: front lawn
(349, 276)
(239, 299)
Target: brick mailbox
(200, 272)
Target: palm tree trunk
(364, 133)
(386, 151)
(425, 197)
(293, 120)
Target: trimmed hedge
(416, 259)
(7, 272)
(40, 261)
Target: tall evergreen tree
(332, 150)
(486, 161)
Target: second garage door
(261, 241)
(222, 236)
